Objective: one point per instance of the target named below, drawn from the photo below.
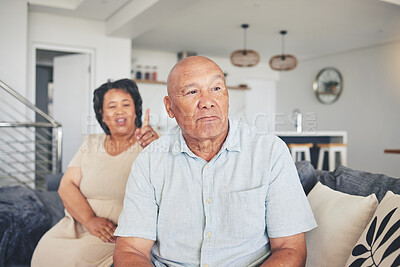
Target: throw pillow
(307, 176)
(360, 183)
(341, 220)
(379, 244)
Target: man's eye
(192, 92)
(111, 107)
(216, 88)
(127, 105)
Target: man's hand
(146, 134)
(102, 228)
(287, 251)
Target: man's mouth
(208, 118)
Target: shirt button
(207, 167)
(209, 234)
(208, 200)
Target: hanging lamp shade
(284, 61)
(245, 57)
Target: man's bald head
(198, 100)
(189, 66)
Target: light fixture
(245, 57)
(283, 61)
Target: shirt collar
(232, 141)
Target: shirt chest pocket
(246, 213)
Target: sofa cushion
(382, 236)
(23, 221)
(341, 219)
(53, 181)
(359, 183)
(307, 176)
(53, 205)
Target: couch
(358, 217)
(25, 215)
(341, 201)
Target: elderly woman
(93, 186)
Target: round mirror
(328, 85)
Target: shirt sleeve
(139, 214)
(287, 209)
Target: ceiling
(212, 27)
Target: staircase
(30, 141)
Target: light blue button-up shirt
(217, 213)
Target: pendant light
(284, 61)
(245, 57)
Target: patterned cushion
(379, 244)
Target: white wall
(368, 109)
(13, 44)
(260, 78)
(111, 55)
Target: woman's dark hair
(126, 85)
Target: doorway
(63, 89)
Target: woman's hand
(146, 134)
(102, 228)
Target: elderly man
(214, 192)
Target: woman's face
(119, 112)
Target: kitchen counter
(335, 136)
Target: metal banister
(28, 124)
(27, 103)
(30, 150)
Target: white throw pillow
(382, 235)
(341, 220)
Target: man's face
(198, 99)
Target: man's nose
(206, 100)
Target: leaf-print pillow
(379, 245)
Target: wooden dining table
(392, 151)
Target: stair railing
(29, 150)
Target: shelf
(164, 83)
(238, 87)
(150, 82)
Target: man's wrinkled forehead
(190, 84)
(189, 68)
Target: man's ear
(167, 104)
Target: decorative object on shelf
(154, 74)
(184, 54)
(147, 73)
(245, 57)
(284, 61)
(328, 85)
(138, 74)
(297, 118)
